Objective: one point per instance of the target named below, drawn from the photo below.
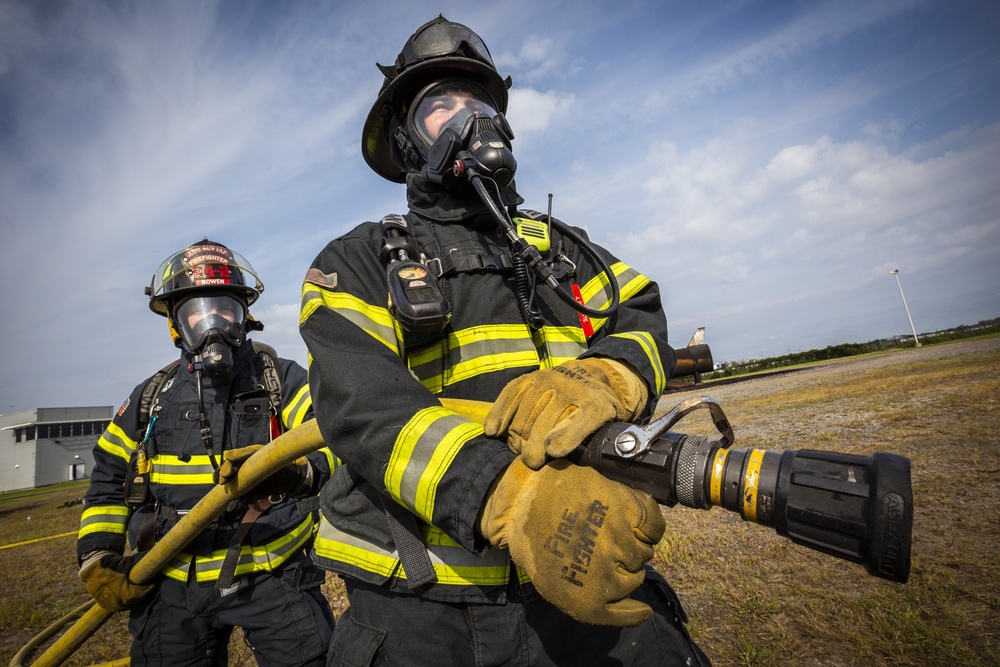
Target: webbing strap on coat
(147, 530)
(411, 549)
(232, 559)
(450, 264)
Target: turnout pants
(284, 616)
(386, 629)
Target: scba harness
(137, 487)
(140, 467)
(415, 298)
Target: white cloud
(826, 218)
(281, 330)
(807, 30)
(537, 58)
(19, 37)
(817, 192)
(531, 111)
(786, 178)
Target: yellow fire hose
(284, 449)
(297, 442)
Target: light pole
(895, 272)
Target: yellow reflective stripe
(471, 352)
(597, 293)
(115, 442)
(331, 460)
(374, 320)
(453, 565)
(456, 566)
(422, 453)
(171, 470)
(252, 559)
(183, 479)
(294, 413)
(336, 545)
(255, 559)
(113, 510)
(104, 519)
(178, 567)
(630, 282)
(488, 348)
(312, 299)
(168, 469)
(557, 345)
(648, 345)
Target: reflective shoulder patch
(124, 406)
(317, 277)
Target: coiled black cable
(524, 292)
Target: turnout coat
(376, 387)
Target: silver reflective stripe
(453, 564)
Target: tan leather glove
(105, 574)
(548, 412)
(582, 538)
(294, 480)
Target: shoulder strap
(152, 389)
(269, 373)
(396, 236)
(263, 348)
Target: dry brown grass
(757, 599)
(753, 597)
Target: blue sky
(767, 163)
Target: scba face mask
(457, 119)
(212, 326)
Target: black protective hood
(450, 204)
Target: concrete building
(44, 446)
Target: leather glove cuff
(630, 386)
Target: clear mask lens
(445, 105)
(198, 316)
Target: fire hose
(855, 508)
(284, 449)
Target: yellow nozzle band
(751, 481)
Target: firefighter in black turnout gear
(460, 544)
(186, 428)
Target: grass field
(753, 597)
